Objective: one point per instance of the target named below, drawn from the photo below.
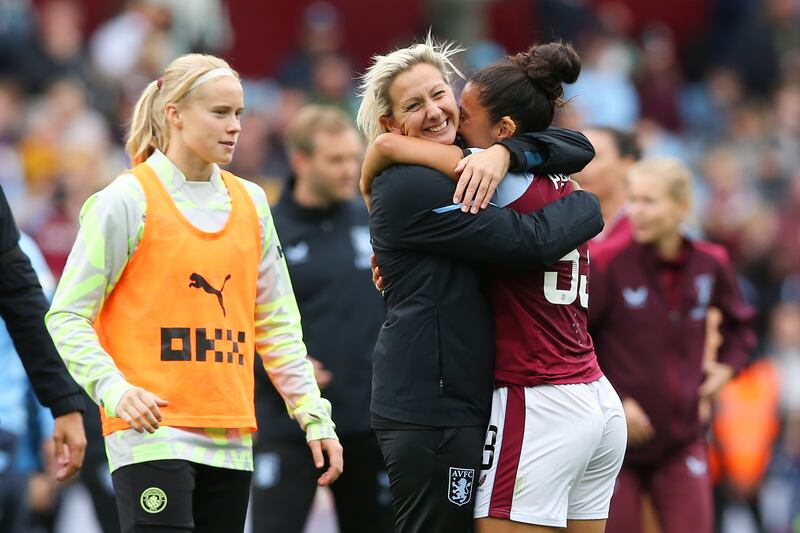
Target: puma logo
(199, 282)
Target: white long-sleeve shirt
(112, 224)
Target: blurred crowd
(727, 102)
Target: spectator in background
(325, 236)
(12, 128)
(706, 106)
(321, 35)
(332, 83)
(199, 25)
(650, 298)
(116, 46)
(659, 79)
(782, 349)
(52, 48)
(605, 175)
(604, 93)
(786, 251)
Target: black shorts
(428, 472)
(177, 495)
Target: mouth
(229, 144)
(439, 127)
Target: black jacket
(328, 255)
(23, 306)
(434, 358)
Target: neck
(192, 167)
(611, 206)
(669, 246)
(305, 196)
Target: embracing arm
(412, 211)
(390, 148)
(552, 151)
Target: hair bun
(549, 65)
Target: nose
(235, 125)
(433, 111)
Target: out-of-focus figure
(650, 298)
(325, 237)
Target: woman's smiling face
(423, 105)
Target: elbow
(50, 319)
(383, 143)
(586, 147)
(594, 210)
(594, 222)
(585, 156)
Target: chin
(643, 238)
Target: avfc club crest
(460, 485)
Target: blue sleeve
(552, 151)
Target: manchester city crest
(153, 500)
(460, 485)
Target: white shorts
(552, 453)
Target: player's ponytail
(149, 130)
(527, 87)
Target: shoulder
(122, 197)
(606, 253)
(513, 187)
(257, 195)
(122, 186)
(409, 174)
(410, 182)
(714, 252)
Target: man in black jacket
(324, 233)
(23, 306)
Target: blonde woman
(175, 281)
(651, 296)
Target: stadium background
(713, 82)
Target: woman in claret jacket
(650, 296)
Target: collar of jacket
(288, 203)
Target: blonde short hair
(672, 172)
(376, 82)
(149, 129)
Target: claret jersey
(541, 313)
